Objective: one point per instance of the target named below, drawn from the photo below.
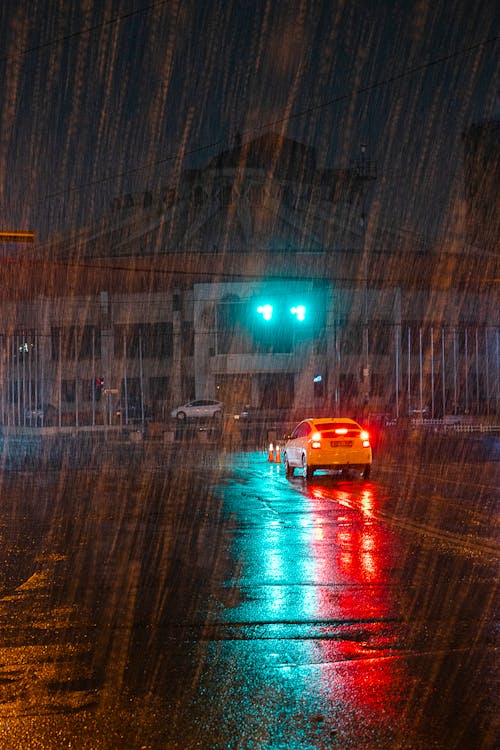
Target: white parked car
(201, 408)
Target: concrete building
(170, 296)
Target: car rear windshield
(328, 429)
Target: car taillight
(341, 431)
(316, 440)
(365, 437)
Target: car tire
(181, 416)
(306, 470)
(366, 472)
(288, 468)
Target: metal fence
(416, 371)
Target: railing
(457, 427)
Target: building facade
(252, 280)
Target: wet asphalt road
(202, 600)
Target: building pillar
(45, 369)
(176, 379)
(107, 370)
(205, 338)
(304, 377)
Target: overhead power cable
(251, 131)
(81, 32)
(280, 121)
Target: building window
(187, 338)
(87, 390)
(158, 389)
(153, 340)
(352, 339)
(80, 342)
(230, 326)
(348, 386)
(319, 386)
(88, 342)
(381, 338)
(68, 391)
(378, 384)
(133, 388)
(320, 343)
(158, 340)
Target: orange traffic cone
(270, 456)
(278, 454)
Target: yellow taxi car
(335, 443)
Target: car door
(294, 446)
(195, 408)
(302, 440)
(206, 408)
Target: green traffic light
(299, 311)
(266, 311)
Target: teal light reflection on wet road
(314, 631)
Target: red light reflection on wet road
(354, 556)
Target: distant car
(335, 443)
(248, 413)
(201, 408)
(419, 414)
(34, 416)
(41, 415)
(131, 413)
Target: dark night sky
(100, 97)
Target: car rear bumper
(340, 467)
(338, 459)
